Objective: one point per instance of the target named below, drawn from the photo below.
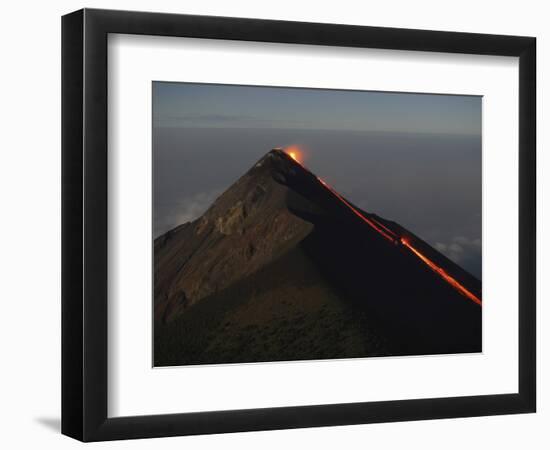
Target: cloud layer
(463, 251)
(186, 210)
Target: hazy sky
(412, 158)
(223, 106)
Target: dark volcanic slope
(248, 226)
(281, 269)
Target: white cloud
(459, 248)
(187, 210)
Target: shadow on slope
(285, 311)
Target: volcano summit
(283, 267)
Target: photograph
(296, 223)
(275, 226)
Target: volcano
(283, 267)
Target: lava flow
(449, 279)
(393, 237)
(390, 237)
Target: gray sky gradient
(412, 158)
(223, 106)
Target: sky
(224, 106)
(412, 158)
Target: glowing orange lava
(389, 234)
(441, 272)
(295, 153)
(358, 214)
(392, 237)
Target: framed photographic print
(273, 224)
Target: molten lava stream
(392, 237)
(441, 272)
(358, 214)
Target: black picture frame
(84, 224)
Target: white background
(30, 177)
(136, 389)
